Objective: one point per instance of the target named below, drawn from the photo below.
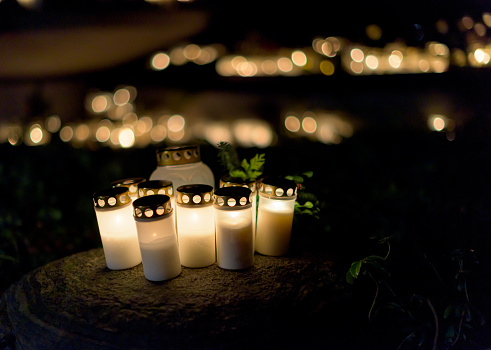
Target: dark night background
(428, 191)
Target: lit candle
(229, 181)
(196, 225)
(157, 237)
(234, 233)
(131, 184)
(164, 187)
(117, 228)
(275, 216)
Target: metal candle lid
(195, 195)
(233, 198)
(148, 188)
(178, 155)
(277, 188)
(152, 207)
(230, 181)
(131, 183)
(111, 198)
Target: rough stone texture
(77, 303)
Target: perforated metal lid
(148, 188)
(277, 188)
(233, 197)
(230, 181)
(131, 183)
(178, 155)
(195, 195)
(152, 207)
(111, 198)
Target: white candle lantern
(131, 184)
(196, 225)
(117, 228)
(234, 232)
(275, 216)
(157, 237)
(163, 187)
(183, 166)
(229, 181)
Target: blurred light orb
(486, 18)
(66, 133)
(158, 133)
(356, 67)
(121, 97)
(176, 123)
(424, 65)
(285, 64)
(100, 103)
(103, 133)
(53, 123)
(82, 132)
(269, 67)
(373, 31)
(36, 134)
(371, 61)
(357, 55)
(160, 61)
(126, 137)
(327, 67)
(191, 51)
(437, 122)
(299, 58)
(395, 60)
(292, 123)
(262, 135)
(309, 125)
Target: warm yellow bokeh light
(373, 31)
(299, 58)
(292, 123)
(285, 64)
(309, 125)
(82, 132)
(176, 123)
(66, 133)
(103, 133)
(191, 51)
(53, 123)
(160, 61)
(371, 61)
(100, 103)
(327, 67)
(357, 55)
(121, 97)
(36, 134)
(126, 137)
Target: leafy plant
(306, 202)
(246, 170)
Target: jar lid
(195, 195)
(233, 197)
(231, 181)
(112, 198)
(131, 183)
(152, 207)
(278, 188)
(178, 155)
(151, 187)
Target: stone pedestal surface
(78, 303)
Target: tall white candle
(234, 233)
(117, 228)
(196, 225)
(157, 237)
(275, 216)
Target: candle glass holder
(157, 237)
(117, 228)
(196, 225)
(183, 166)
(230, 181)
(132, 185)
(234, 230)
(275, 216)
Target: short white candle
(157, 237)
(196, 231)
(118, 230)
(234, 239)
(274, 225)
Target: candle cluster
(177, 218)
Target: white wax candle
(119, 237)
(196, 235)
(160, 258)
(274, 225)
(234, 236)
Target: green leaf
(355, 268)
(308, 174)
(309, 205)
